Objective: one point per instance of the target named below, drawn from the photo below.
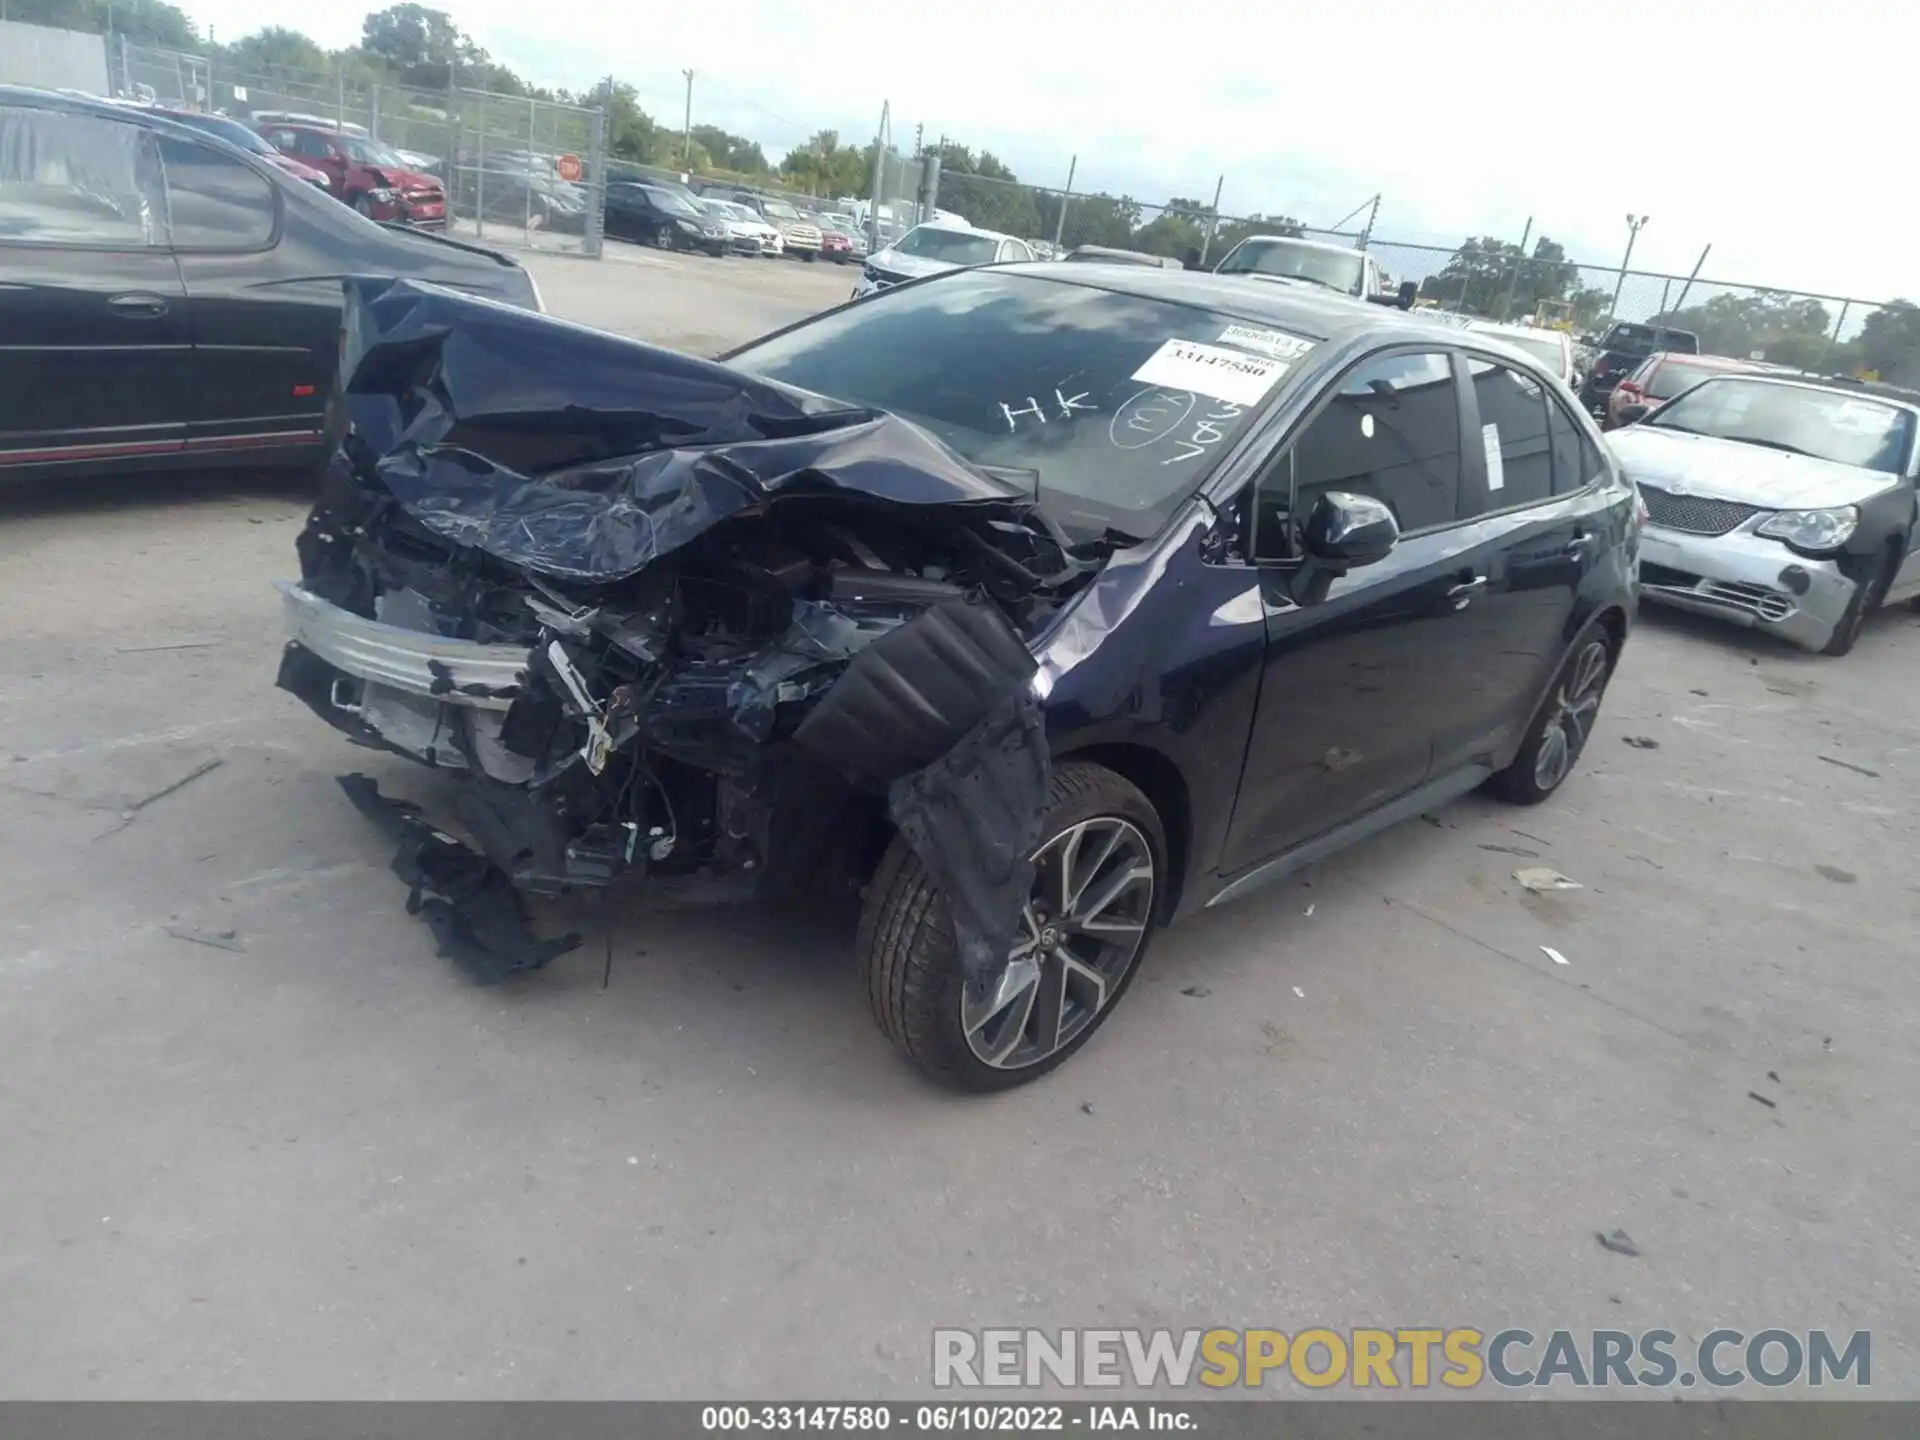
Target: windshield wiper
(1770, 444)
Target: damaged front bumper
(660, 619)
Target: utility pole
(1519, 264)
(686, 135)
(919, 135)
(1634, 222)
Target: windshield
(779, 210)
(1291, 260)
(1671, 377)
(1822, 423)
(370, 152)
(669, 202)
(231, 131)
(1116, 404)
(1644, 339)
(955, 247)
(1548, 352)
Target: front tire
(663, 237)
(1099, 874)
(1562, 726)
(360, 202)
(1867, 598)
(809, 256)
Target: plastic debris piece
(1554, 955)
(1847, 765)
(1641, 742)
(1309, 909)
(223, 941)
(1756, 1095)
(1198, 992)
(1298, 991)
(1539, 879)
(1618, 1241)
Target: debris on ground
(1309, 910)
(128, 815)
(1756, 1095)
(1641, 742)
(1540, 880)
(1849, 765)
(1435, 821)
(176, 645)
(1299, 992)
(1554, 955)
(223, 940)
(1198, 992)
(1520, 850)
(1697, 692)
(1774, 1076)
(1835, 874)
(1618, 1241)
(1086, 1107)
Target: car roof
(1499, 328)
(1311, 313)
(25, 97)
(1711, 362)
(962, 227)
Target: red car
(365, 174)
(835, 246)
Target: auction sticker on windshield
(1276, 343)
(1231, 375)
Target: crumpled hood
(912, 266)
(1716, 469)
(584, 455)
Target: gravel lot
(317, 1164)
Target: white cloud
(1757, 126)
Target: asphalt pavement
(260, 1142)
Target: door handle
(1577, 547)
(139, 305)
(1462, 594)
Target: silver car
(1783, 505)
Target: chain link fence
(515, 169)
(533, 172)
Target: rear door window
(79, 180)
(1513, 435)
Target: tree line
(420, 48)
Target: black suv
(1039, 604)
(1618, 354)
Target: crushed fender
(665, 621)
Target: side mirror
(1409, 292)
(1633, 414)
(1343, 532)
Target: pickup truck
(1619, 352)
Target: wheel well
(1160, 780)
(1614, 621)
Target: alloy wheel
(1081, 932)
(1570, 721)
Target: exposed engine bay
(664, 619)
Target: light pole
(686, 135)
(1634, 222)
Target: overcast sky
(1764, 128)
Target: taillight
(1629, 387)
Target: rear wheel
(1866, 599)
(1097, 878)
(663, 236)
(360, 202)
(1562, 727)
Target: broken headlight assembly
(1814, 532)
